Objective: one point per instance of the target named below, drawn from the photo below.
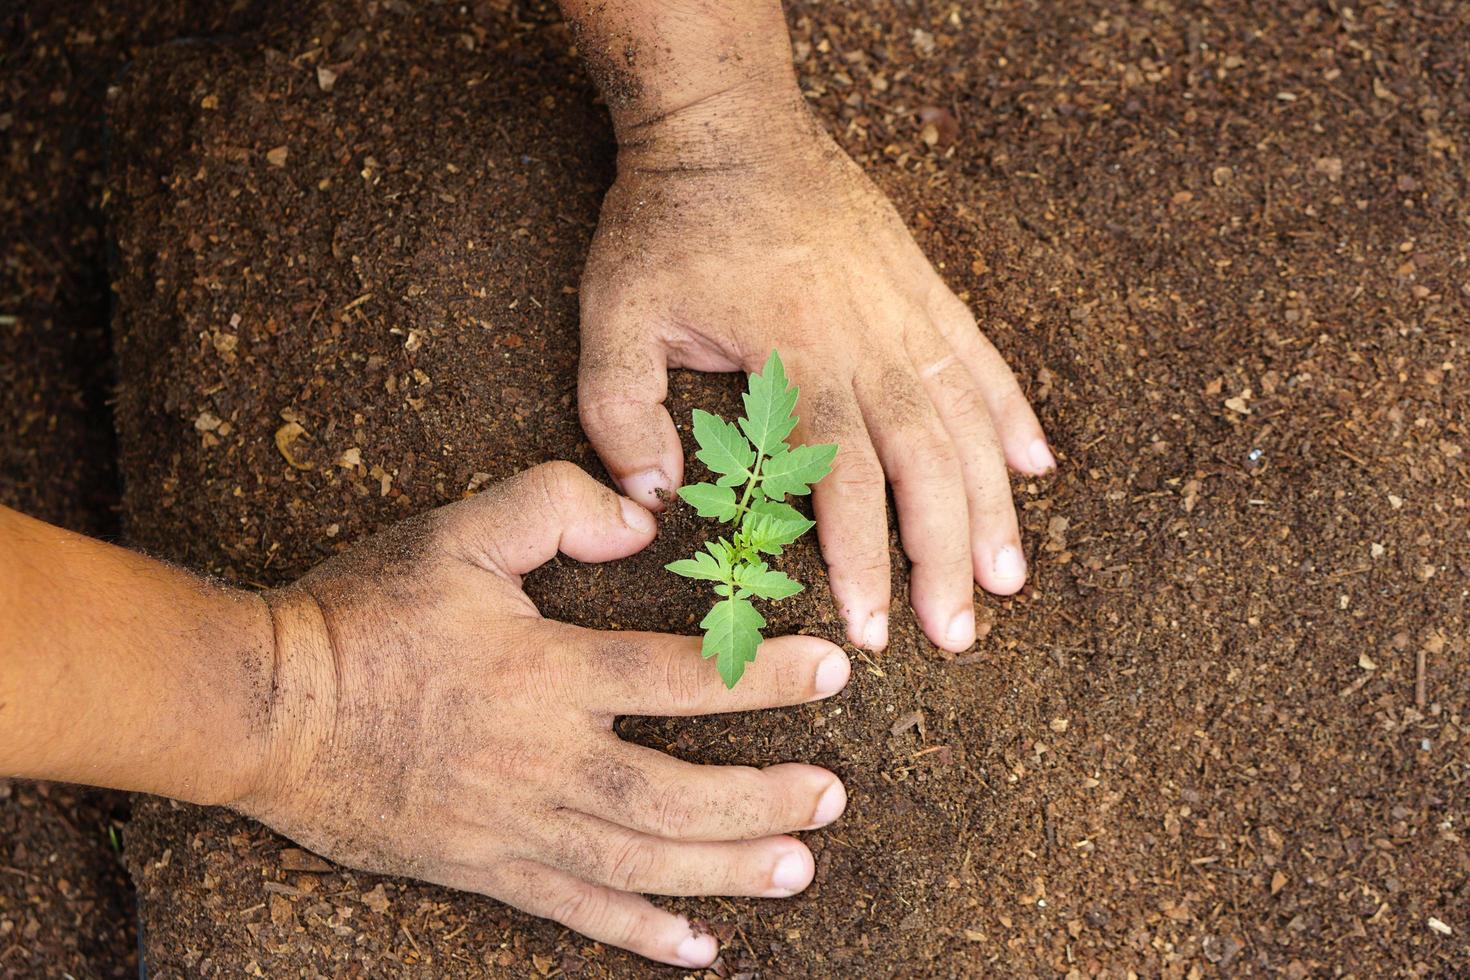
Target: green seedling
(753, 454)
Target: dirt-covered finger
(627, 860)
(639, 673)
(851, 510)
(995, 536)
(600, 913)
(653, 793)
(923, 468)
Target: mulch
(1223, 731)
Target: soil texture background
(1227, 247)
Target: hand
(426, 721)
(717, 245)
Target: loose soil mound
(1224, 731)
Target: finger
(520, 523)
(645, 790)
(622, 381)
(633, 673)
(995, 537)
(851, 508)
(625, 860)
(601, 914)
(1021, 435)
(933, 514)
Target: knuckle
(599, 412)
(770, 803)
(675, 811)
(580, 908)
(932, 452)
(682, 680)
(559, 479)
(628, 864)
(857, 471)
(968, 405)
(867, 568)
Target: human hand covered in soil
(737, 226)
(428, 722)
(404, 709)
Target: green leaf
(795, 470)
(709, 500)
(723, 552)
(769, 526)
(701, 566)
(769, 403)
(776, 509)
(768, 583)
(731, 636)
(722, 448)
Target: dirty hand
(722, 240)
(426, 721)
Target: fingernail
(875, 632)
(698, 950)
(637, 518)
(789, 875)
(1041, 458)
(961, 631)
(832, 673)
(829, 806)
(644, 487)
(1008, 563)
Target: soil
(1224, 731)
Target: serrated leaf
(768, 583)
(769, 402)
(778, 510)
(731, 636)
(722, 448)
(701, 566)
(723, 552)
(709, 500)
(795, 470)
(769, 526)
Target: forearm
(704, 81)
(120, 671)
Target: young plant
(754, 457)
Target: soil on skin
(1225, 730)
(66, 906)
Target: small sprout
(755, 457)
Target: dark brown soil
(1224, 732)
(66, 905)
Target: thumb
(521, 523)
(622, 381)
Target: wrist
(297, 706)
(751, 125)
(692, 85)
